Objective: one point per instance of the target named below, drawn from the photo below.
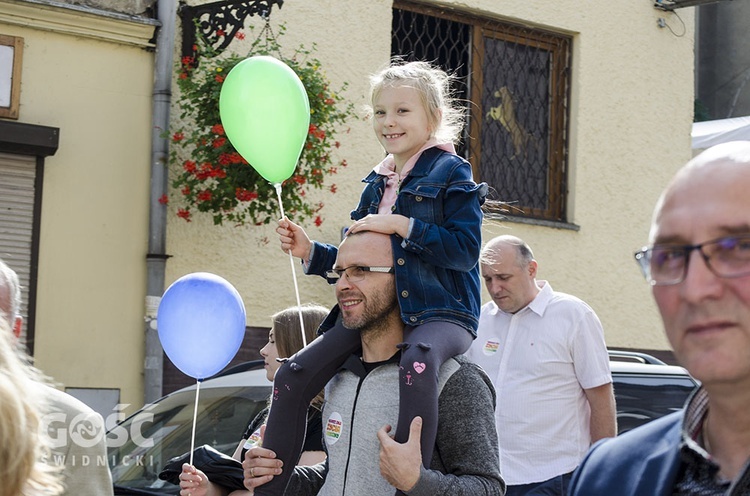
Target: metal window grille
(515, 81)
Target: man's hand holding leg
(400, 463)
(260, 465)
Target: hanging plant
(208, 173)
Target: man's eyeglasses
(354, 273)
(663, 265)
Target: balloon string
(195, 419)
(294, 272)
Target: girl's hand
(382, 223)
(193, 482)
(294, 239)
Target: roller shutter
(17, 180)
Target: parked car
(140, 446)
(646, 388)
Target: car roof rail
(634, 356)
(241, 367)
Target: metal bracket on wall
(219, 22)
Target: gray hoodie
(465, 461)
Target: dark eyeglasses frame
(643, 258)
(333, 275)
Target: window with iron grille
(515, 81)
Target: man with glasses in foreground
(361, 407)
(698, 266)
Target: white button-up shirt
(540, 360)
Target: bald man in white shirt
(545, 353)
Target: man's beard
(375, 317)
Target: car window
(139, 447)
(641, 398)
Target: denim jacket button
(401, 261)
(405, 294)
(393, 208)
(412, 319)
(418, 198)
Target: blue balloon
(201, 322)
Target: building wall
(631, 112)
(90, 75)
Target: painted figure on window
(505, 114)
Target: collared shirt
(540, 360)
(387, 168)
(699, 473)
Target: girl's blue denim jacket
(436, 265)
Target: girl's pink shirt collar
(388, 168)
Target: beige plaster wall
(94, 219)
(630, 118)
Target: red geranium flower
(163, 199)
(177, 137)
(217, 129)
(204, 195)
(205, 172)
(318, 221)
(244, 195)
(184, 213)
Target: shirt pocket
(423, 202)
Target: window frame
(16, 44)
(559, 94)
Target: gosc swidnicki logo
(86, 430)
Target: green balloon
(266, 115)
